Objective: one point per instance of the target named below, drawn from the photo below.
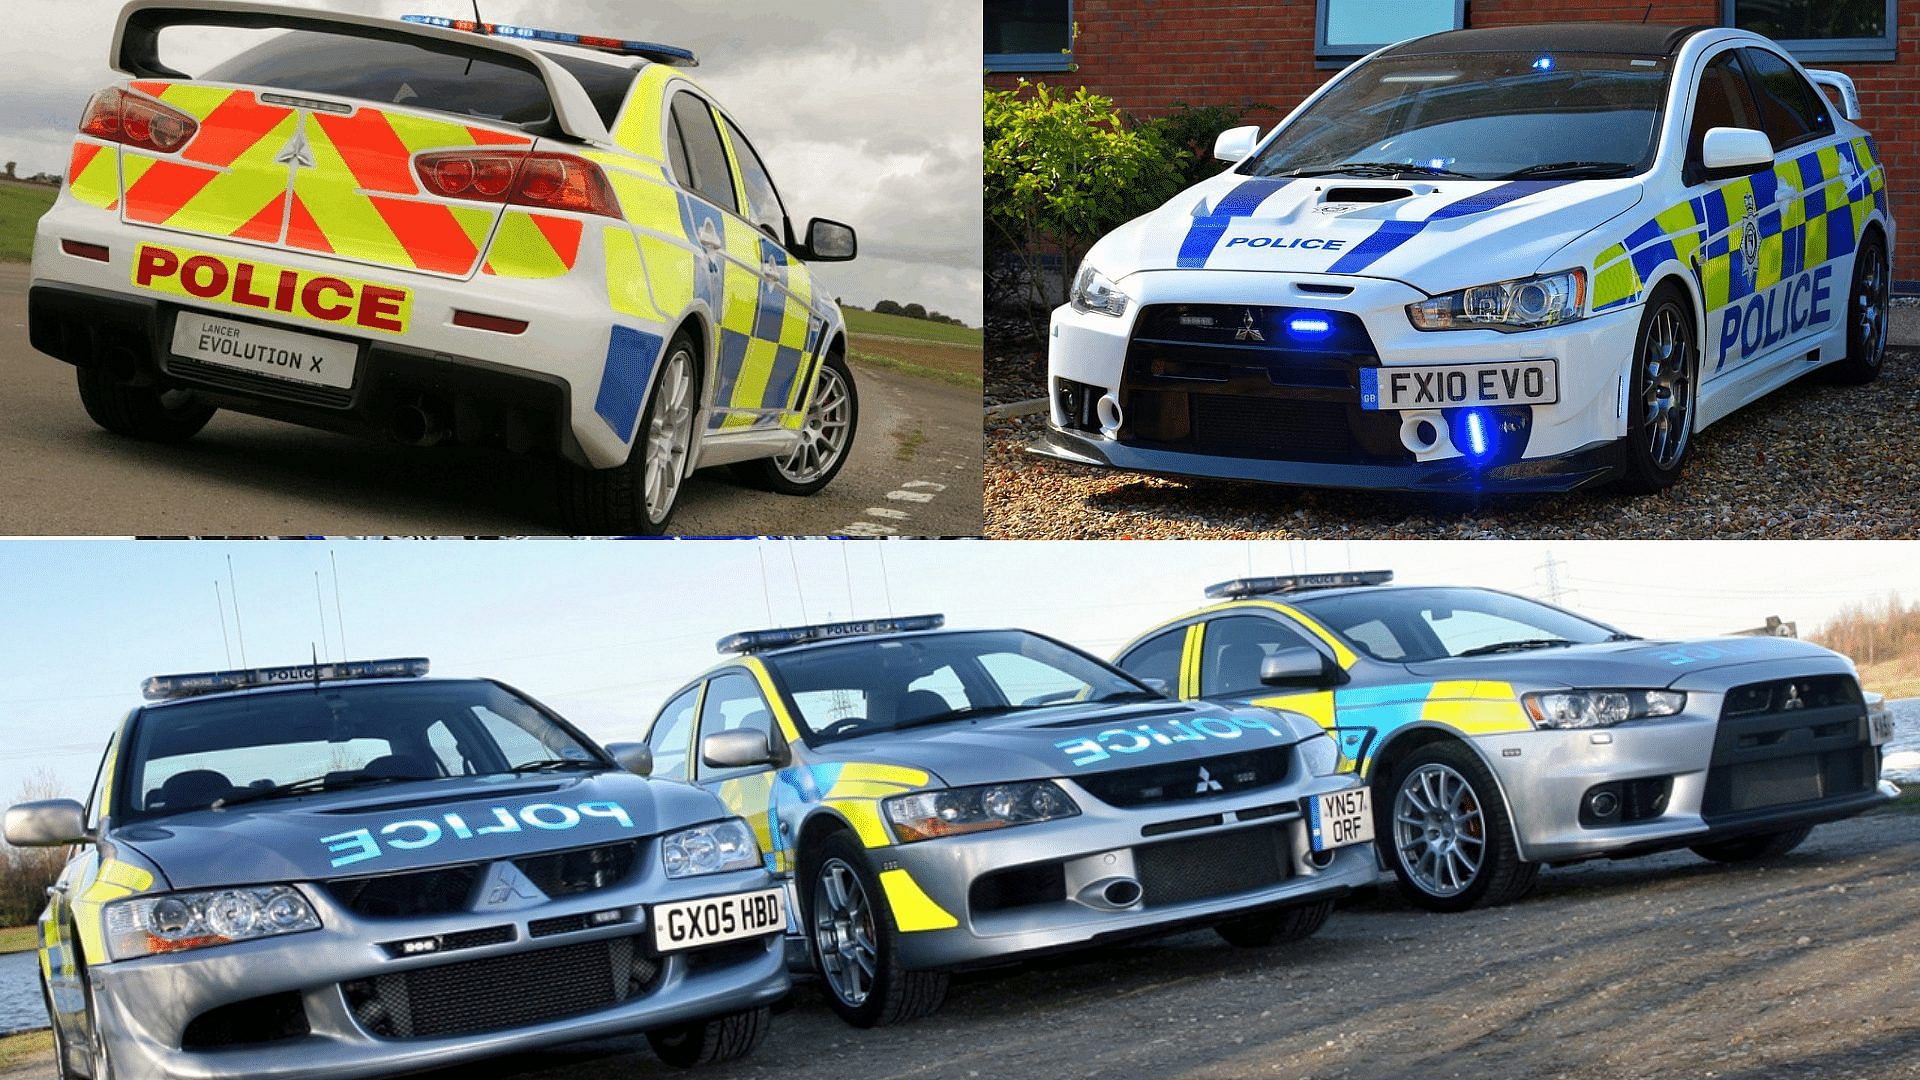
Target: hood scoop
(440, 799)
(1110, 718)
(1365, 195)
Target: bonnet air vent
(1365, 194)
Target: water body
(20, 1004)
(1903, 753)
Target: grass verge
(15, 1049)
(15, 939)
(969, 379)
(20, 207)
(868, 322)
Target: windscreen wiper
(1591, 168)
(307, 786)
(1131, 695)
(555, 765)
(1516, 646)
(1380, 168)
(968, 712)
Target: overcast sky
(604, 630)
(867, 111)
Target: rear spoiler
(136, 44)
(1842, 85)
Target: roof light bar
(166, 687)
(1239, 588)
(648, 50)
(752, 641)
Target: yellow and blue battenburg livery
(1526, 259)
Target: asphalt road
(1667, 966)
(917, 460)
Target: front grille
(503, 992)
(447, 889)
(1233, 381)
(444, 943)
(1182, 781)
(1788, 742)
(1180, 871)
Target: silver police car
(347, 869)
(936, 799)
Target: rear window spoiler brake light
(137, 37)
(1842, 85)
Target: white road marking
(918, 492)
(891, 515)
(924, 485)
(870, 528)
(911, 496)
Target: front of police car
(1064, 803)
(1391, 290)
(361, 875)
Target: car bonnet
(1626, 664)
(411, 826)
(1434, 234)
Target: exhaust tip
(1110, 893)
(1122, 893)
(1320, 860)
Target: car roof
(849, 639)
(1645, 39)
(1308, 596)
(287, 688)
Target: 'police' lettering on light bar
(650, 50)
(760, 640)
(163, 687)
(1260, 586)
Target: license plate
(265, 350)
(689, 924)
(1516, 382)
(1340, 819)
(1880, 727)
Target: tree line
(1874, 632)
(25, 873)
(914, 311)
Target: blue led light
(1545, 63)
(651, 50)
(1309, 326)
(1477, 441)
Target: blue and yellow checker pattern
(1808, 210)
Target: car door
(60, 957)
(733, 701)
(1224, 660)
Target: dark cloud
(866, 111)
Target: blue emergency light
(1240, 588)
(166, 687)
(649, 50)
(1309, 326)
(752, 641)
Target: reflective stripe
(913, 910)
(1392, 234)
(94, 177)
(1205, 232)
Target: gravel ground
(1812, 460)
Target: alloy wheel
(1439, 831)
(823, 437)
(1667, 397)
(843, 933)
(669, 435)
(1870, 310)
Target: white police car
(1524, 258)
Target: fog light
(1603, 804)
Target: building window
(1029, 35)
(1844, 30)
(1347, 29)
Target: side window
(1158, 657)
(97, 801)
(1235, 647)
(763, 202)
(671, 732)
(1724, 101)
(446, 749)
(708, 174)
(1377, 638)
(1791, 112)
(677, 152)
(733, 703)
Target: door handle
(709, 236)
(56, 889)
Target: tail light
(117, 116)
(519, 178)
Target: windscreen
(877, 685)
(1481, 115)
(193, 754)
(1414, 625)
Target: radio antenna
(233, 592)
(1644, 16)
(477, 20)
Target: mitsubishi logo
(1207, 783)
(1793, 698)
(1248, 332)
(506, 887)
(296, 154)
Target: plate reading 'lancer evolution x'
(265, 350)
(1526, 382)
(714, 919)
(1339, 818)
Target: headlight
(710, 849)
(1507, 306)
(174, 922)
(1599, 708)
(1320, 756)
(1094, 291)
(927, 814)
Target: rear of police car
(355, 224)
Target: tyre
(1444, 830)
(713, 1040)
(1753, 848)
(638, 497)
(141, 412)
(1866, 314)
(1666, 364)
(825, 438)
(1276, 927)
(855, 941)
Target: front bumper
(1244, 427)
(148, 1004)
(1103, 843)
(533, 391)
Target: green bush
(1062, 170)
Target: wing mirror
(830, 241)
(1301, 666)
(1839, 84)
(52, 823)
(742, 748)
(1727, 153)
(635, 757)
(1236, 144)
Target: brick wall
(1151, 55)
